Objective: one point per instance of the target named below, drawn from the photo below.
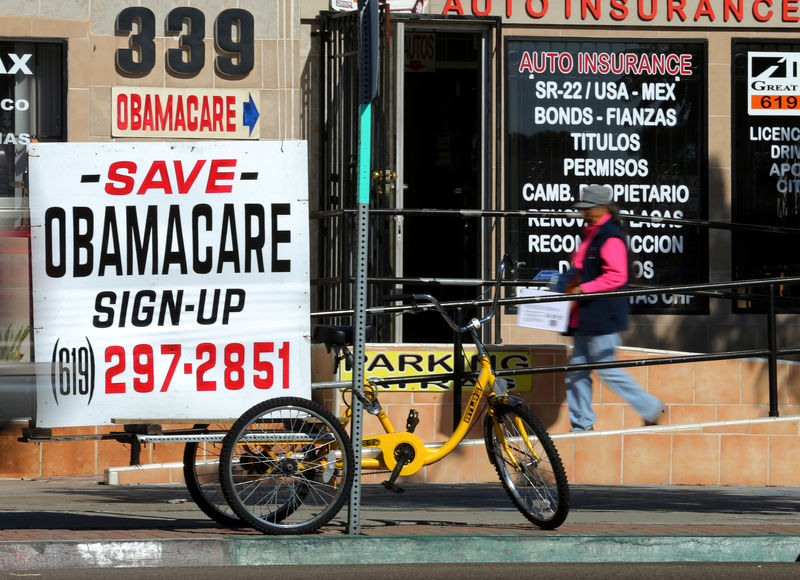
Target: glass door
(442, 144)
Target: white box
(543, 315)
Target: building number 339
(233, 39)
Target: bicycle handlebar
(475, 323)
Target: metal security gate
(335, 214)
(431, 166)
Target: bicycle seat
(337, 335)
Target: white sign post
(170, 280)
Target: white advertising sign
(184, 113)
(542, 315)
(415, 6)
(170, 280)
(773, 83)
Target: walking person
(601, 265)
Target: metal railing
(771, 352)
(721, 290)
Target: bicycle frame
(287, 462)
(380, 451)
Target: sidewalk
(76, 522)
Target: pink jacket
(614, 255)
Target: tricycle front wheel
(286, 466)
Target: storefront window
(631, 115)
(766, 164)
(32, 105)
(32, 108)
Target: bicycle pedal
(412, 421)
(392, 487)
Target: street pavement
(78, 522)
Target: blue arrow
(250, 114)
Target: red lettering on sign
(675, 7)
(122, 177)
(587, 6)
(205, 116)
(453, 6)
(653, 10)
(184, 185)
(191, 109)
(136, 107)
(487, 8)
(704, 8)
(125, 181)
(619, 10)
(643, 10)
(215, 175)
(164, 113)
(176, 113)
(122, 112)
(148, 123)
(231, 106)
(533, 13)
(180, 119)
(731, 7)
(158, 168)
(788, 9)
(757, 13)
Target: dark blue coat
(604, 315)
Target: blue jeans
(600, 348)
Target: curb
(282, 550)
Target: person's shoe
(656, 419)
(578, 429)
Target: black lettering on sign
(141, 43)
(236, 57)
(234, 38)
(191, 44)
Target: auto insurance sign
(628, 114)
(170, 280)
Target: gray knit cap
(594, 195)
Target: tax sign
(170, 280)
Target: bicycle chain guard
(389, 443)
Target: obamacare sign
(184, 113)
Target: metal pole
(498, 138)
(359, 338)
(368, 84)
(458, 370)
(772, 345)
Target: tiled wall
(747, 454)
(75, 457)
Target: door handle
(385, 180)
